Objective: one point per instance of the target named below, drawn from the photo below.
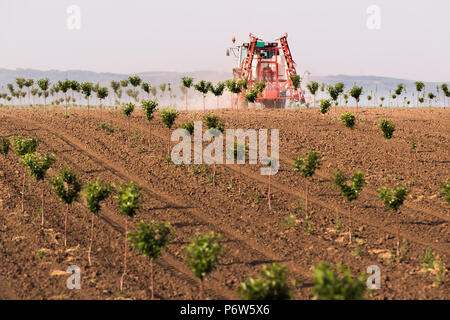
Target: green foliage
(427, 260)
(313, 87)
(393, 198)
(333, 92)
(270, 285)
(94, 193)
(203, 254)
(214, 122)
(129, 199)
(336, 283)
(350, 192)
(65, 85)
(150, 238)
(23, 146)
(38, 164)
(41, 254)
(260, 86)
(102, 93)
(134, 81)
(189, 127)
(106, 127)
(233, 86)
(325, 105)
(355, 92)
(348, 119)
(400, 89)
(168, 117)
(43, 84)
(413, 142)
(387, 127)
(86, 88)
(446, 189)
(128, 109)
(187, 82)
(66, 185)
(218, 89)
(251, 95)
(5, 145)
(149, 107)
(75, 86)
(307, 165)
(296, 81)
(419, 85)
(145, 87)
(202, 87)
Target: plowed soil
(235, 207)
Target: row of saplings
(150, 238)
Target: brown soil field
(253, 235)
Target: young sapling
(393, 199)
(129, 199)
(67, 187)
(150, 239)
(37, 168)
(203, 255)
(95, 192)
(306, 167)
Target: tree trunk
(23, 186)
(42, 203)
(152, 288)
(124, 255)
(397, 233)
(350, 223)
(65, 226)
(91, 239)
(268, 194)
(306, 200)
(201, 289)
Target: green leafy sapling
(306, 167)
(168, 118)
(127, 110)
(336, 283)
(387, 127)
(313, 87)
(129, 198)
(270, 285)
(355, 92)
(349, 191)
(149, 107)
(150, 239)
(325, 105)
(393, 199)
(215, 127)
(38, 166)
(203, 254)
(203, 88)
(22, 146)
(217, 90)
(94, 192)
(349, 120)
(187, 83)
(67, 187)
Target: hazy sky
(326, 37)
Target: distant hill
(370, 83)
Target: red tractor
(272, 63)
